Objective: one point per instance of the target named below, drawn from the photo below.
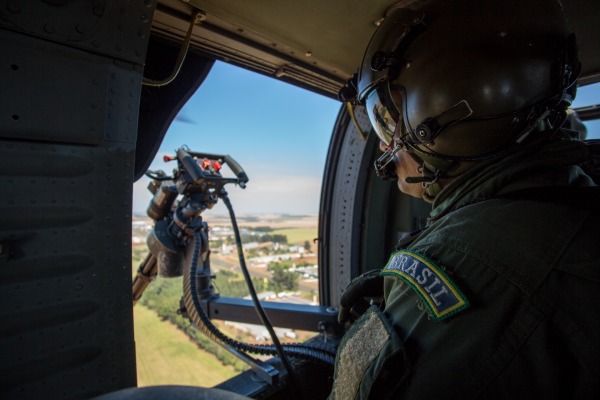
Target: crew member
(495, 298)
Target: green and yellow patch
(439, 293)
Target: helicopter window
(279, 134)
(587, 105)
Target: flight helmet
(465, 80)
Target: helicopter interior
(89, 91)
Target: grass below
(166, 356)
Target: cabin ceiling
(317, 44)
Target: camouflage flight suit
(495, 299)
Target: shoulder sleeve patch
(439, 293)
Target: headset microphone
(427, 178)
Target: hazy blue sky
(586, 96)
(277, 132)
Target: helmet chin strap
(428, 177)
(429, 180)
(431, 168)
(431, 171)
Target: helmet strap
(431, 169)
(431, 166)
(428, 177)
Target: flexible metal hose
(198, 316)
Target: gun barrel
(146, 274)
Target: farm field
(166, 356)
(298, 235)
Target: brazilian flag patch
(439, 293)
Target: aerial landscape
(281, 255)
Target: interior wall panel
(70, 83)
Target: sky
(589, 95)
(278, 133)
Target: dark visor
(373, 78)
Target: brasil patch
(440, 294)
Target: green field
(166, 356)
(298, 235)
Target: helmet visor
(384, 53)
(383, 118)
